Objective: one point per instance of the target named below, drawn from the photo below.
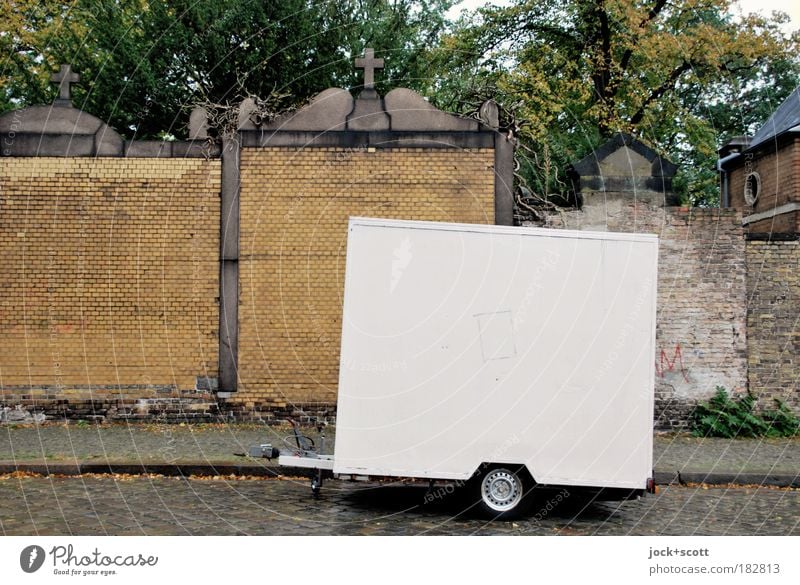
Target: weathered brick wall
(780, 184)
(110, 281)
(780, 179)
(701, 336)
(294, 207)
(785, 223)
(773, 286)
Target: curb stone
(256, 468)
(176, 469)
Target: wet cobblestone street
(90, 505)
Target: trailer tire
(501, 492)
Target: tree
(145, 63)
(680, 75)
(28, 29)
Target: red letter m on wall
(665, 364)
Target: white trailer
(506, 356)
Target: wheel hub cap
(501, 490)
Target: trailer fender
(521, 468)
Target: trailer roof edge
(499, 229)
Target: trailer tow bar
(302, 453)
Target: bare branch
(668, 84)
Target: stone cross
(369, 64)
(64, 78)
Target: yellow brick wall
(110, 274)
(294, 207)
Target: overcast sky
(791, 7)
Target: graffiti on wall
(666, 364)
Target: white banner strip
(388, 560)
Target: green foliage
(727, 417)
(144, 64)
(682, 76)
(782, 421)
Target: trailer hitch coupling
(266, 450)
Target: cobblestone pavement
(89, 505)
(679, 452)
(152, 442)
(137, 442)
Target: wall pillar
(229, 267)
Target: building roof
(592, 163)
(786, 118)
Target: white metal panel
(464, 344)
(318, 462)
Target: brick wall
(701, 338)
(701, 334)
(780, 184)
(773, 285)
(785, 223)
(294, 206)
(110, 280)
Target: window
(752, 188)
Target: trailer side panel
(469, 344)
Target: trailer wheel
(501, 492)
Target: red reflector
(651, 486)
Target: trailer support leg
(316, 482)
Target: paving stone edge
(173, 469)
(256, 468)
